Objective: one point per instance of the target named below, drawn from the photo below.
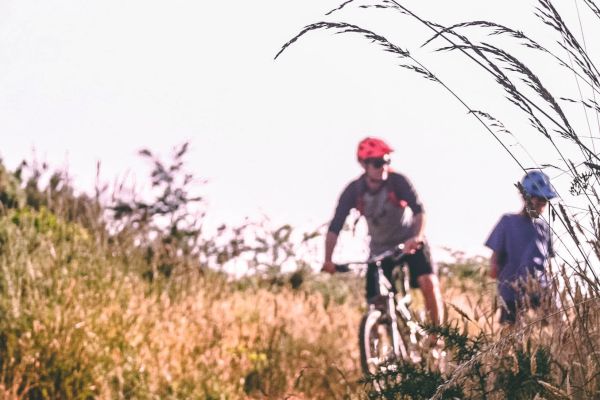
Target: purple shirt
(523, 246)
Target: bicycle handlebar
(396, 254)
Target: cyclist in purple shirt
(521, 245)
(394, 215)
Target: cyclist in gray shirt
(394, 215)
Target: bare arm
(330, 242)
(419, 222)
(494, 265)
(413, 244)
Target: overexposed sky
(100, 79)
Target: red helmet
(371, 147)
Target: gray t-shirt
(388, 212)
(523, 246)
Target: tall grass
(79, 320)
(559, 360)
(82, 317)
(100, 301)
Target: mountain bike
(388, 334)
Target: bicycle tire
(376, 352)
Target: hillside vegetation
(79, 320)
(124, 298)
(127, 300)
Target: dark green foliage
(11, 194)
(61, 373)
(409, 381)
(252, 382)
(172, 199)
(512, 372)
(521, 380)
(167, 224)
(297, 278)
(463, 346)
(21, 188)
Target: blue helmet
(536, 183)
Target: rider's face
(535, 206)
(376, 169)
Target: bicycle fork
(385, 289)
(400, 350)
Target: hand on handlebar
(328, 267)
(412, 245)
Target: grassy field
(102, 302)
(79, 320)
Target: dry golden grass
(79, 321)
(255, 341)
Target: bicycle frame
(388, 319)
(397, 306)
(385, 290)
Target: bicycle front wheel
(378, 342)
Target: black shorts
(418, 264)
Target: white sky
(100, 79)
